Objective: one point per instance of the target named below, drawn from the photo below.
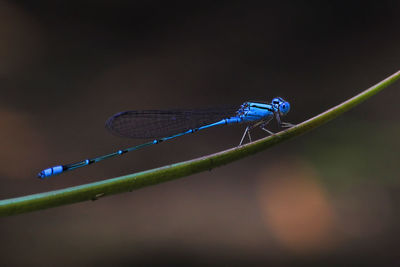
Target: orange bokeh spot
(296, 208)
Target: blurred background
(328, 197)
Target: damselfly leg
(262, 125)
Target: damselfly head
(281, 105)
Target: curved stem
(138, 180)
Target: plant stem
(138, 180)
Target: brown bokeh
(330, 196)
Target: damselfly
(163, 125)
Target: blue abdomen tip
(50, 171)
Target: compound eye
(284, 108)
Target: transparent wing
(163, 123)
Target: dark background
(328, 197)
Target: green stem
(138, 180)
